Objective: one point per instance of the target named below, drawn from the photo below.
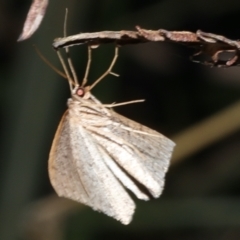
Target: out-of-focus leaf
(34, 18)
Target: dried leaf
(97, 38)
(210, 49)
(125, 37)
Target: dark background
(196, 106)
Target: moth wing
(78, 171)
(142, 152)
(63, 174)
(155, 150)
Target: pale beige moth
(97, 154)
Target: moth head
(81, 92)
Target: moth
(97, 154)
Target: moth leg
(88, 66)
(109, 70)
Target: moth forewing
(105, 192)
(62, 172)
(77, 171)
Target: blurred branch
(44, 219)
(197, 213)
(207, 132)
